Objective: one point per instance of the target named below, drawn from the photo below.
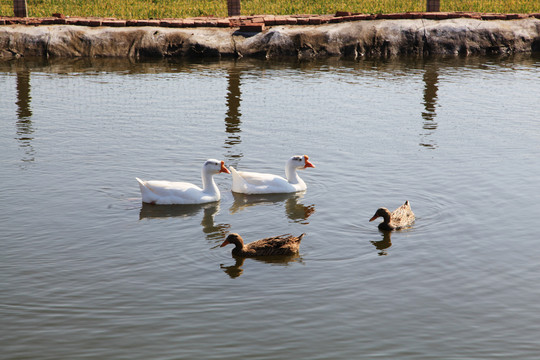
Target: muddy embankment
(461, 36)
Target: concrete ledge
(316, 37)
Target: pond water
(89, 272)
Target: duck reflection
(236, 270)
(431, 79)
(24, 113)
(210, 229)
(294, 210)
(383, 244)
(232, 117)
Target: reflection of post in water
(232, 118)
(24, 113)
(431, 78)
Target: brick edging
(256, 23)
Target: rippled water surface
(88, 271)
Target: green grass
(146, 9)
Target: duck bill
(226, 242)
(374, 217)
(308, 163)
(223, 168)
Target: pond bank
(350, 39)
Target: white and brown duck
(400, 218)
(271, 246)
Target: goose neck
(291, 174)
(209, 185)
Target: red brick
(258, 20)
(292, 21)
(114, 23)
(47, 21)
(362, 17)
(72, 21)
(223, 23)
(280, 20)
(252, 27)
(199, 23)
(415, 15)
(430, 15)
(89, 22)
(454, 15)
(188, 23)
(315, 21)
(441, 15)
(342, 13)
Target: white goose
(256, 183)
(168, 193)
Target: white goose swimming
(257, 183)
(168, 193)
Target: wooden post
(433, 5)
(233, 7)
(19, 8)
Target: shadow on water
(236, 270)
(210, 229)
(294, 210)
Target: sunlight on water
(88, 271)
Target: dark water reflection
(431, 78)
(233, 115)
(294, 210)
(212, 230)
(24, 114)
(384, 244)
(237, 269)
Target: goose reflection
(24, 113)
(294, 210)
(236, 270)
(383, 244)
(431, 79)
(213, 231)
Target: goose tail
(238, 183)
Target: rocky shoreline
(341, 35)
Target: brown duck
(400, 218)
(272, 246)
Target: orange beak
(374, 217)
(223, 168)
(308, 163)
(226, 242)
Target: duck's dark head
(234, 239)
(382, 212)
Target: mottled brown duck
(402, 217)
(272, 246)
